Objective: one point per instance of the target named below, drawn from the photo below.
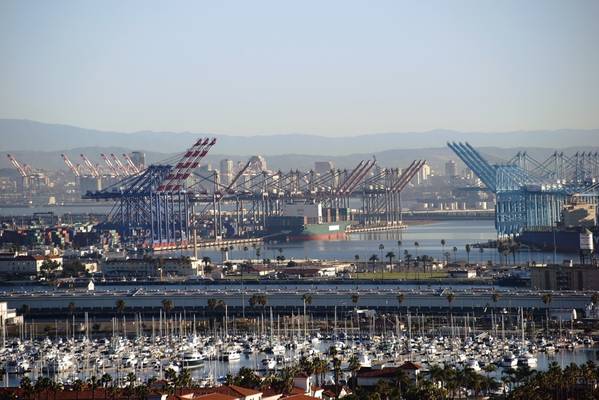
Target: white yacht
(192, 360)
(509, 361)
(365, 360)
(231, 355)
(269, 363)
(473, 365)
(527, 359)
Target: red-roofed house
(371, 376)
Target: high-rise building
(226, 171)
(451, 169)
(139, 159)
(323, 167)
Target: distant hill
(24, 135)
(40, 145)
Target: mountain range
(40, 145)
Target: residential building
(25, 264)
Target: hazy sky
(319, 67)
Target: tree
(105, 380)
(400, 298)
(450, 297)
(167, 305)
(373, 259)
(72, 308)
(27, 387)
(468, 254)
(307, 298)
(355, 297)
(381, 248)
(390, 255)
(258, 299)
(353, 365)
(214, 304)
(443, 243)
(25, 309)
(495, 297)
(120, 306)
(246, 377)
(93, 383)
(399, 244)
(595, 298)
(77, 386)
(416, 246)
(48, 268)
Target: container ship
(299, 222)
(576, 231)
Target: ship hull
(294, 229)
(565, 241)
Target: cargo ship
(299, 222)
(576, 231)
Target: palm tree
(455, 252)
(120, 306)
(167, 305)
(381, 248)
(416, 245)
(373, 259)
(307, 298)
(77, 387)
(547, 301)
(468, 254)
(93, 384)
(495, 297)
(26, 387)
(390, 255)
(355, 297)
(450, 297)
(353, 365)
(443, 243)
(481, 250)
(105, 380)
(400, 298)
(72, 308)
(245, 250)
(399, 244)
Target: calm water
(456, 234)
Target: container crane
(71, 166)
(17, 166)
(131, 164)
(110, 165)
(92, 169)
(120, 165)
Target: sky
(331, 68)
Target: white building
(8, 316)
(24, 264)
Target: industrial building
(565, 277)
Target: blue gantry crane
(531, 194)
